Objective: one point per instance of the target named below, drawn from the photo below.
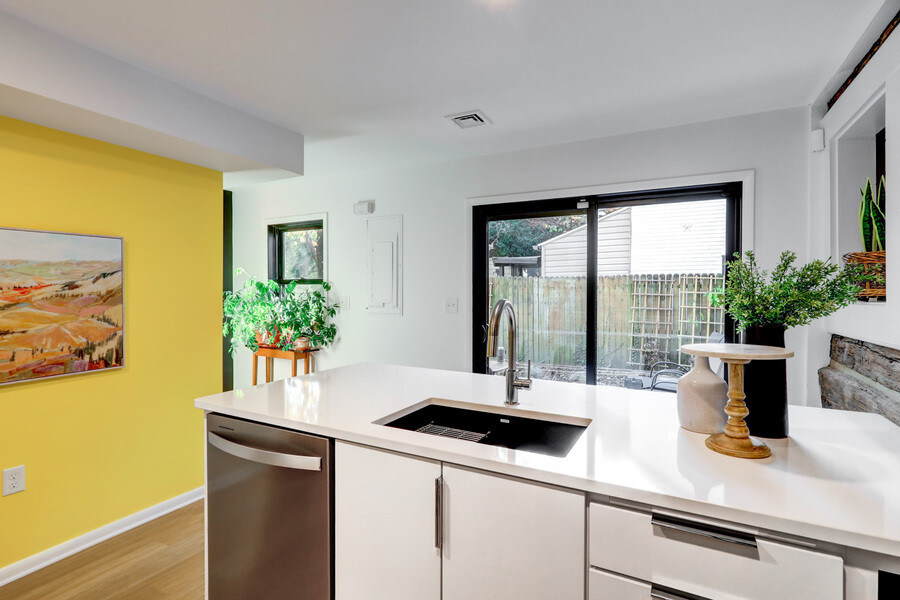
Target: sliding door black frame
(227, 284)
(585, 205)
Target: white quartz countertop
(836, 479)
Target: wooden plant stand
(736, 440)
(270, 354)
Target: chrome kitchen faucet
(513, 384)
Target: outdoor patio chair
(666, 378)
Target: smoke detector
(470, 118)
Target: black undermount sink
(554, 438)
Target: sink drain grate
(450, 432)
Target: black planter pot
(765, 383)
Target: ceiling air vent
(470, 118)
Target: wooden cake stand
(736, 440)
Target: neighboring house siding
(613, 239)
(566, 254)
(684, 237)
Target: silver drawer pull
(276, 459)
(656, 594)
(723, 535)
(439, 512)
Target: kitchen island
(832, 489)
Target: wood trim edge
(865, 59)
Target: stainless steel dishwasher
(269, 512)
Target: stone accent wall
(863, 377)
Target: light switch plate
(451, 305)
(13, 480)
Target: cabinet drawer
(609, 586)
(732, 565)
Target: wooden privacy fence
(641, 319)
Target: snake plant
(871, 217)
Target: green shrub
(790, 296)
(278, 312)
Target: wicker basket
(873, 263)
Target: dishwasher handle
(276, 459)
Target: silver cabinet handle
(276, 459)
(439, 512)
(656, 594)
(740, 538)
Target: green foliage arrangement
(792, 296)
(278, 313)
(871, 217)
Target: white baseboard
(56, 553)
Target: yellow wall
(100, 446)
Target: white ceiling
(370, 81)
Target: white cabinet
(708, 560)
(508, 539)
(611, 586)
(502, 538)
(384, 525)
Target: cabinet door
(507, 539)
(385, 526)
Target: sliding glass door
(656, 264)
(550, 310)
(606, 288)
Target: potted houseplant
(763, 306)
(269, 314)
(871, 260)
(307, 316)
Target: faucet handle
(524, 384)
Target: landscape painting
(61, 304)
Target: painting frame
(111, 243)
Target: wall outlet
(13, 480)
(451, 305)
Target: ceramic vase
(765, 383)
(701, 399)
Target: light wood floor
(160, 560)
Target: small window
(297, 252)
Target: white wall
(435, 202)
(875, 94)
